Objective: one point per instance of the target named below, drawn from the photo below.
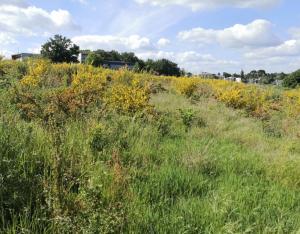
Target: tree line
(158, 67)
(61, 49)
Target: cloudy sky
(200, 35)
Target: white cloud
(18, 18)
(286, 49)
(208, 4)
(20, 3)
(258, 33)
(6, 39)
(162, 42)
(34, 50)
(108, 42)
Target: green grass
(115, 173)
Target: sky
(200, 35)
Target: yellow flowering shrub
(257, 101)
(76, 87)
(89, 75)
(37, 68)
(30, 81)
(129, 99)
(186, 86)
(88, 87)
(291, 101)
(231, 96)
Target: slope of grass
(191, 166)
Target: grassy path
(226, 177)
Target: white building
(23, 56)
(82, 56)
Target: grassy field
(88, 150)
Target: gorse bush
(128, 99)
(77, 91)
(258, 101)
(186, 86)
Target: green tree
(293, 80)
(162, 67)
(243, 78)
(129, 58)
(236, 75)
(139, 66)
(261, 73)
(94, 59)
(226, 74)
(60, 49)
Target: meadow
(91, 150)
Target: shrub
(11, 72)
(293, 80)
(37, 68)
(187, 116)
(164, 123)
(186, 86)
(128, 99)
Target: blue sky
(200, 35)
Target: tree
(236, 75)
(60, 49)
(129, 58)
(243, 78)
(293, 80)
(139, 66)
(163, 67)
(261, 73)
(94, 59)
(226, 74)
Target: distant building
(117, 65)
(22, 56)
(278, 82)
(238, 80)
(254, 81)
(231, 78)
(235, 79)
(82, 56)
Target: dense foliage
(292, 80)
(90, 150)
(158, 67)
(258, 76)
(98, 57)
(60, 49)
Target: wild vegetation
(89, 150)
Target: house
(117, 65)
(82, 56)
(278, 82)
(231, 78)
(254, 81)
(234, 79)
(238, 80)
(23, 56)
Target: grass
(218, 171)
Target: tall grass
(171, 164)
